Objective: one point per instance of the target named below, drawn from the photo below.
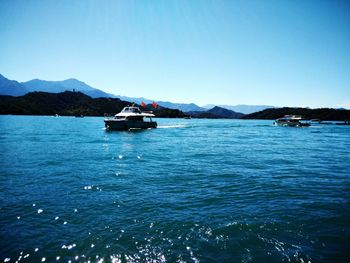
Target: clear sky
(274, 52)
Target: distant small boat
(79, 116)
(130, 118)
(291, 121)
(187, 117)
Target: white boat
(130, 118)
(291, 121)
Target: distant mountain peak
(73, 80)
(243, 108)
(11, 87)
(37, 80)
(217, 112)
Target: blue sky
(274, 52)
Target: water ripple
(191, 191)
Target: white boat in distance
(291, 121)
(130, 118)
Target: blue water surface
(189, 191)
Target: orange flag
(154, 104)
(143, 104)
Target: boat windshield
(131, 109)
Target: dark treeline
(76, 103)
(321, 114)
(71, 104)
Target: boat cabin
(131, 110)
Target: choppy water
(190, 191)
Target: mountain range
(216, 113)
(15, 88)
(245, 109)
(77, 104)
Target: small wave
(172, 126)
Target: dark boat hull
(291, 124)
(125, 125)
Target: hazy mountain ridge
(77, 85)
(216, 113)
(245, 109)
(64, 85)
(15, 88)
(181, 106)
(11, 87)
(185, 107)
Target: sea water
(189, 191)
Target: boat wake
(172, 126)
